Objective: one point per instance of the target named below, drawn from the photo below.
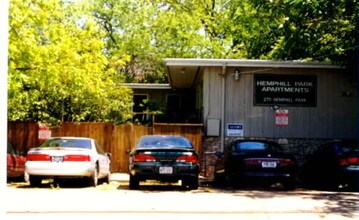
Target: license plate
(269, 164)
(57, 159)
(166, 170)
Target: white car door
(104, 161)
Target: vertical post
(357, 71)
(153, 123)
(223, 104)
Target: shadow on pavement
(341, 202)
(344, 203)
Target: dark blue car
(165, 158)
(252, 162)
(333, 166)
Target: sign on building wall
(235, 130)
(281, 117)
(288, 90)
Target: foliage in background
(322, 30)
(57, 69)
(126, 24)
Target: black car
(333, 166)
(250, 162)
(165, 158)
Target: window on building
(139, 107)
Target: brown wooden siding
(116, 139)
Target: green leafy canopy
(57, 67)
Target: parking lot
(156, 201)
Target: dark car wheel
(289, 184)
(35, 181)
(229, 181)
(319, 181)
(134, 183)
(190, 183)
(219, 180)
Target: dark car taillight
(38, 157)
(143, 158)
(188, 159)
(77, 158)
(286, 162)
(252, 161)
(349, 161)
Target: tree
(142, 31)
(321, 30)
(57, 69)
(128, 39)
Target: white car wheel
(108, 178)
(94, 178)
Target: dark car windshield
(164, 142)
(71, 143)
(252, 145)
(346, 147)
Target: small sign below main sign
(235, 130)
(281, 117)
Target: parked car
(334, 165)
(165, 158)
(248, 162)
(68, 157)
(15, 163)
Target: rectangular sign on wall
(281, 117)
(288, 90)
(235, 130)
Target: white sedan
(68, 157)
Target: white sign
(235, 130)
(281, 117)
(44, 132)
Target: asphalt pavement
(116, 201)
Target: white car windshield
(69, 143)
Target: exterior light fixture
(275, 107)
(236, 74)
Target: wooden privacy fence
(116, 139)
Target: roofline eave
(248, 63)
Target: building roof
(148, 86)
(248, 63)
(184, 72)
